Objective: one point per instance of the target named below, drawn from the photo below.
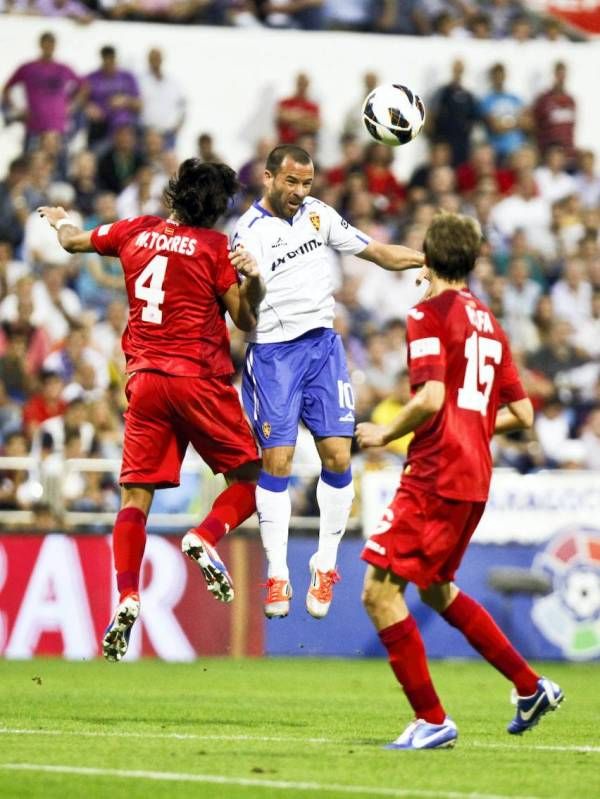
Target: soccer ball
(393, 114)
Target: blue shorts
(304, 379)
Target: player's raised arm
(70, 237)
(393, 257)
(242, 301)
(426, 403)
(516, 415)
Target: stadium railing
(45, 489)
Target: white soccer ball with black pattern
(393, 114)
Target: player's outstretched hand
(244, 262)
(53, 215)
(370, 435)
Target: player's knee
(436, 597)
(336, 462)
(246, 473)
(278, 461)
(372, 599)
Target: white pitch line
(182, 736)
(215, 779)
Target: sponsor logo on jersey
(266, 428)
(279, 243)
(303, 249)
(424, 346)
(347, 417)
(315, 219)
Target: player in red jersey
(462, 371)
(180, 280)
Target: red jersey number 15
(479, 350)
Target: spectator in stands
(163, 100)
(482, 166)
(557, 358)
(590, 438)
(440, 155)
(12, 366)
(521, 29)
(52, 434)
(452, 114)
(11, 269)
(501, 13)
(113, 100)
(353, 120)
(44, 403)
(56, 306)
(52, 89)
(505, 114)
(303, 14)
(572, 294)
(10, 414)
(120, 163)
(12, 497)
(587, 181)
(206, 151)
(297, 114)
(521, 293)
(40, 247)
(83, 178)
(37, 342)
(349, 15)
(523, 209)
(480, 26)
(551, 177)
(73, 354)
(586, 335)
(382, 183)
(14, 201)
(143, 195)
(555, 115)
(66, 9)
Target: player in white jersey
(295, 364)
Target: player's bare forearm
(252, 293)
(393, 257)
(517, 415)
(70, 236)
(425, 404)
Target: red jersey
(174, 275)
(287, 132)
(555, 115)
(454, 338)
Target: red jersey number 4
(149, 289)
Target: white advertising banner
(524, 509)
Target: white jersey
(294, 264)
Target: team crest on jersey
(315, 219)
(266, 428)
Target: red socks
(484, 635)
(129, 541)
(232, 507)
(406, 654)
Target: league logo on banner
(569, 617)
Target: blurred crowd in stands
(513, 166)
(478, 19)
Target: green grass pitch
(270, 728)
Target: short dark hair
(200, 192)
(47, 36)
(108, 50)
(452, 245)
(279, 153)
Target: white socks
(274, 511)
(335, 504)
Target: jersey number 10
(479, 372)
(148, 287)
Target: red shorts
(165, 413)
(423, 537)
